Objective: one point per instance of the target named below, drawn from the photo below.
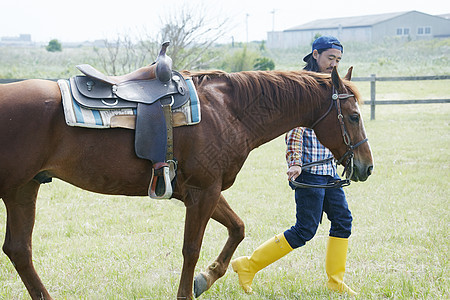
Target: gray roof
(360, 21)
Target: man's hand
(294, 172)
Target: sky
(89, 20)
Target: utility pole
(246, 25)
(273, 19)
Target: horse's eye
(354, 118)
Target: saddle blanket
(80, 116)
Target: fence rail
(11, 80)
(372, 79)
(373, 102)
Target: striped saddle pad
(80, 116)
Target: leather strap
(339, 183)
(331, 185)
(316, 163)
(164, 172)
(169, 124)
(167, 109)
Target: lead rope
(342, 182)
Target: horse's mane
(352, 89)
(282, 85)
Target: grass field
(390, 58)
(91, 246)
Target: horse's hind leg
(227, 217)
(21, 208)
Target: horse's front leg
(21, 209)
(199, 209)
(227, 217)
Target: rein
(348, 170)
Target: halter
(348, 169)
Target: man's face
(327, 59)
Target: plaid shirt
(304, 147)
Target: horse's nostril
(369, 170)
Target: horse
(240, 111)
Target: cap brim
(306, 58)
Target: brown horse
(240, 111)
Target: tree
(122, 55)
(54, 46)
(191, 35)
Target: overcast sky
(81, 20)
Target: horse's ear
(348, 76)
(336, 80)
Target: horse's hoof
(200, 285)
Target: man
(303, 147)
(327, 53)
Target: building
(371, 28)
(21, 40)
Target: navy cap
(325, 42)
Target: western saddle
(153, 90)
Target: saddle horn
(164, 64)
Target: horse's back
(26, 104)
(27, 89)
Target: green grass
(91, 246)
(38, 63)
(390, 58)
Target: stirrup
(160, 184)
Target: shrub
(54, 46)
(264, 64)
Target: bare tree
(189, 30)
(191, 34)
(122, 55)
(108, 55)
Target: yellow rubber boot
(335, 265)
(269, 252)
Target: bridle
(348, 169)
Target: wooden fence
(373, 102)
(372, 79)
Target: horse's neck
(266, 118)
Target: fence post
(372, 96)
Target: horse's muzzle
(361, 171)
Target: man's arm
(294, 152)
